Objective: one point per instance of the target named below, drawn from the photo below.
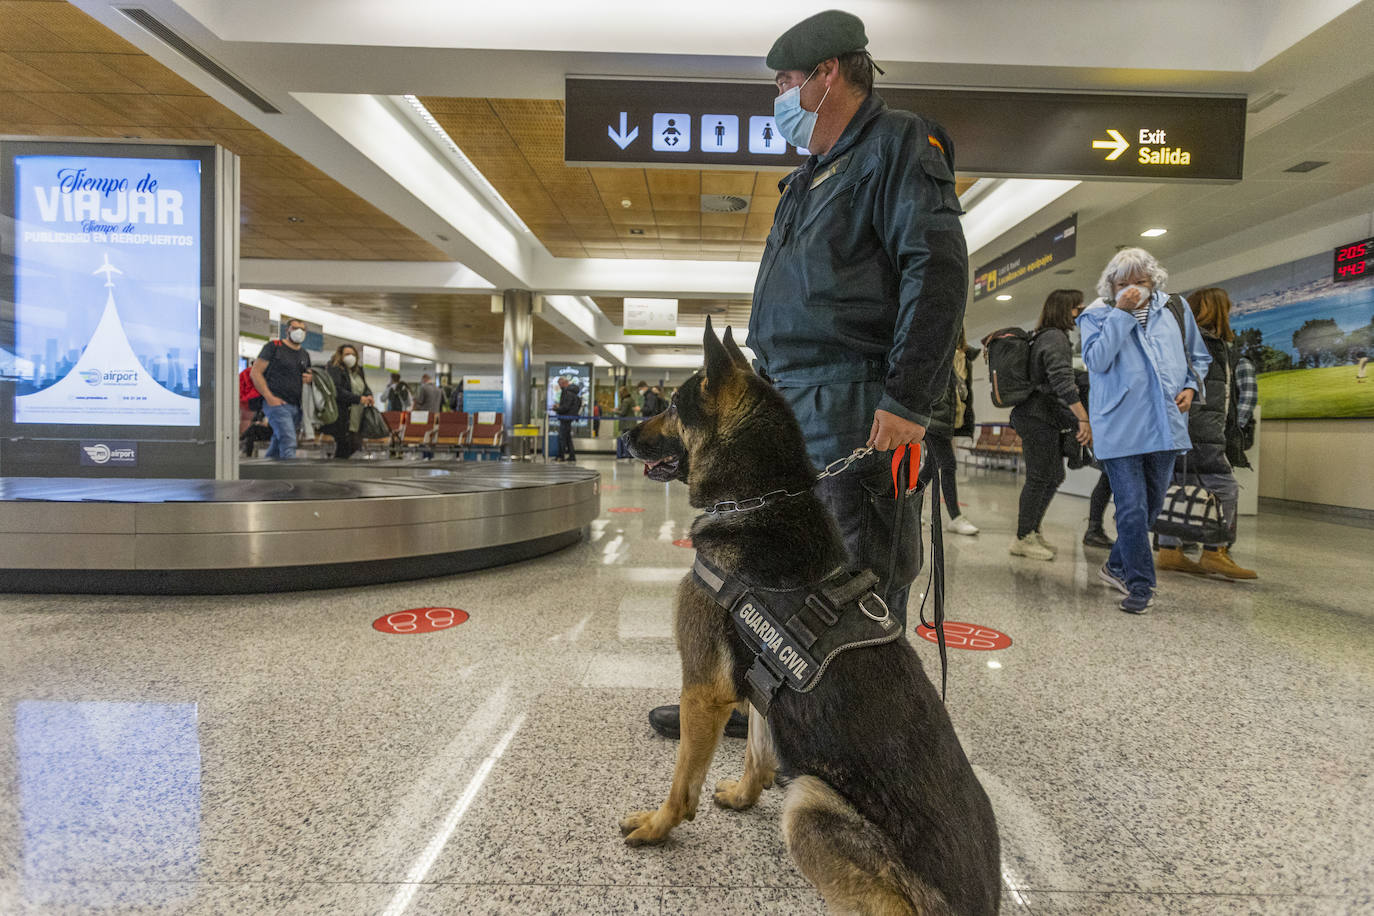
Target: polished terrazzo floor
(276, 754)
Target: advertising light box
(118, 314)
(107, 304)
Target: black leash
(936, 582)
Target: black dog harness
(796, 633)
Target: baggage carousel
(286, 525)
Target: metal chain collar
(833, 469)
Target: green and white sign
(650, 317)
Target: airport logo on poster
(121, 453)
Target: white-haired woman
(1146, 360)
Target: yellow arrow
(1117, 144)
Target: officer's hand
(890, 431)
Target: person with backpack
(1052, 407)
(396, 396)
(280, 373)
(568, 407)
(1146, 361)
(352, 394)
(1215, 429)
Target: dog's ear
(719, 365)
(733, 349)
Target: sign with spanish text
(634, 123)
(484, 393)
(1050, 248)
(107, 290)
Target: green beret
(817, 38)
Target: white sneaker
(961, 525)
(1040, 539)
(1028, 547)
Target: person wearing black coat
(1054, 407)
(951, 417)
(352, 394)
(1214, 428)
(569, 403)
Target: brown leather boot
(1175, 559)
(1219, 561)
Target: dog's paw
(630, 823)
(643, 829)
(731, 793)
(767, 780)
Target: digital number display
(1354, 261)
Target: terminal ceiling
(492, 76)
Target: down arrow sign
(622, 139)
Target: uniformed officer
(860, 294)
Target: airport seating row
(996, 445)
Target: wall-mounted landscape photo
(1310, 338)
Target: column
(517, 369)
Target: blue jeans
(284, 419)
(1138, 486)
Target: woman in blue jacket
(1146, 361)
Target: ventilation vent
(1266, 100)
(1306, 165)
(723, 203)
(158, 29)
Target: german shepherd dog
(882, 811)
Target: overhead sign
(996, 132)
(1048, 249)
(650, 317)
(1354, 261)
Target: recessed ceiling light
(1153, 233)
(1003, 298)
(626, 203)
(294, 219)
(636, 232)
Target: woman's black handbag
(1191, 513)
(372, 425)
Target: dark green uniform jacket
(863, 280)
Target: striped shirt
(1142, 314)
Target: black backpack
(1008, 354)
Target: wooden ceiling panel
(740, 184)
(78, 72)
(79, 31)
(62, 74)
(17, 76)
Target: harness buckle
(822, 610)
(762, 685)
(863, 606)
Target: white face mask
(1143, 290)
(350, 360)
(297, 335)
